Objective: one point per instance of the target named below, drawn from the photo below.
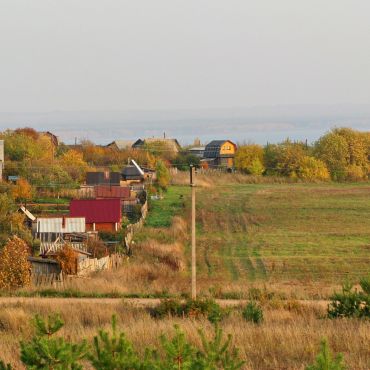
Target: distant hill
(258, 124)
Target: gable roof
(102, 191)
(97, 210)
(173, 144)
(213, 148)
(60, 225)
(121, 144)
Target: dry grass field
(282, 241)
(288, 339)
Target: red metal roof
(97, 210)
(112, 192)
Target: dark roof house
(103, 178)
(220, 153)
(133, 172)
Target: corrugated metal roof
(121, 192)
(97, 210)
(61, 225)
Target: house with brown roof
(172, 144)
(120, 144)
(100, 214)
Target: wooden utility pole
(193, 245)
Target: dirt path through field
(137, 302)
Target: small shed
(44, 266)
(133, 172)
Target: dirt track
(138, 302)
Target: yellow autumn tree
(22, 190)
(249, 159)
(73, 163)
(312, 169)
(15, 270)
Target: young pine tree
(324, 360)
(45, 351)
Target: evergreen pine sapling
(178, 353)
(114, 351)
(217, 354)
(45, 351)
(324, 360)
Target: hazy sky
(169, 54)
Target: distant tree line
(343, 154)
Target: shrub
(350, 303)
(67, 258)
(15, 270)
(324, 360)
(253, 313)
(190, 308)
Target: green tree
(11, 221)
(163, 175)
(325, 361)
(183, 161)
(46, 351)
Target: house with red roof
(100, 214)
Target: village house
(220, 153)
(55, 232)
(103, 178)
(124, 193)
(172, 144)
(197, 151)
(100, 214)
(133, 172)
(120, 144)
(53, 138)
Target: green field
(277, 232)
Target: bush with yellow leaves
(15, 269)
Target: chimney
(164, 135)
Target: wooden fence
(132, 228)
(90, 265)
(52, 279)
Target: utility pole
(193, 245)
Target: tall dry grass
(288, 339)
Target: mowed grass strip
(162, 211)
